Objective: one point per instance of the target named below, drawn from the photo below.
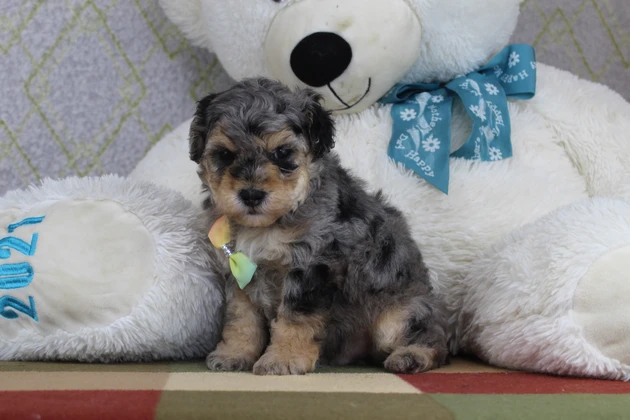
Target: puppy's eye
(224, 157)
(282, 153)
(281, 158)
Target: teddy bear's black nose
(320, 58)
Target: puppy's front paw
(221, 362)
(276, 363)
(412, 359)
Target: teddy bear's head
(351, 51)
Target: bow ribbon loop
(242, 268)
(422, 112)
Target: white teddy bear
(531, 245)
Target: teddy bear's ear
(187, 16)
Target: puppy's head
(258, 145)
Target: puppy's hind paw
(412, 359)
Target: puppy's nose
(320, 58)
(252, 197)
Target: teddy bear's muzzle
(351, 52)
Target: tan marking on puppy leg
(389, 329)
(244, 336)
(294, 349)
(412, 359)
(390, 334)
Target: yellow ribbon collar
(242, 268)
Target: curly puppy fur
(339, 278)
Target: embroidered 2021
(18, 275)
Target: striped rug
(463, 390)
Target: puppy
(339, 278)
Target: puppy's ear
(320, 128)
(201, 126)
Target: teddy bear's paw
(600, 305)
(412, 359)
(221, 362)
(283, 363)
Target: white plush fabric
(565, 192)
(121, 273)
(518, 307)
(169, 165)
(93, 263)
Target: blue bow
(421, 138)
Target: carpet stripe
(511, 383)
(99, 367)
(379, 383)
(458, 365)
(81, 381)
(179, 405)
(79, 405)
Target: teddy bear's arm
(592, 123)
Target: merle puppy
(339, 278)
